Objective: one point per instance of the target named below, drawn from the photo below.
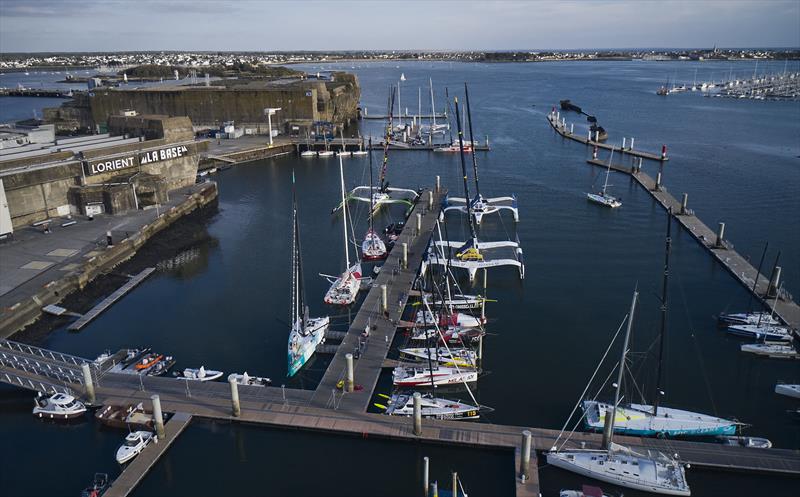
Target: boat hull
(305, 345)
(637, 420)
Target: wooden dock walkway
(561, 128)
(110, 300)
(738, 266)
(137, 469)
(398, 280)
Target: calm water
(737, 159)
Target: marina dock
(717, 246)
(560, 126)
(111, 299)
(331, 408)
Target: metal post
(631, 147)
(109, 239)
(525, 457)
(772, 290)
(419, 223)
(720, 235)
(684, 203)
(623, 143)
(349, 381)
(269, 125)
(438, 183)
(158, 418)
(640, 163)
(384, 298)
(594, 153)
(607, 428)
(430, 199)
(237, 408)
(426, 462)
(571, 128)
(417, 414)
(590, 135)
(88, 383)
(658, 181)
(435, 489)
(405, 255)
(455, 484)
(663, 152)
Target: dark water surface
(228, 306)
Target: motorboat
(760, 332)
(444, 355)
(775, 350)
(788, 389)
(373, 248)
(247, 380)
(764, 318)
(161, 367)
(450, 335)
(200, 374)
(306, 333)
(431, 407)
(437, 376)
(58, 406)
(308, 153)
(152, 364)
(98, 486)
(585, 491)
(622, 466)
(749, 442)
(455, 148)
(640, 420)
(134, 444)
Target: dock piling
(349, 381)
(631, 148)
(594, 153)
(607, 430)
(426, 475)
(623, 143)
(88, 382)
(435, 489)
(417, 414)
(455, 484)
(158, 418)
(438, 184)
(571, 128)
(109, 239)
(405, 255)
(720, 235)
(684, 203)
(430, 199)
(419, 222)
(657, 187)
(774, 284)
(384, 298)
(640, 164)
(663, 152)
(525, 457)
(237, 408)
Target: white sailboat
(344, 288)
(431, 407)
(656, 420)
(775, 350)
(444, 355)
(788, 390)
(306, 332)
(602, 197)
(403, 376)
(619, 465)
(372, 248)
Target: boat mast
(433, 107)
(755, 280)
(371, 194)
(298, 297)
(386, 144)
(622, 367)
(464, 172)
(344, 212)
(449, 128)
(664, 294)
(472, 141)
(608, 171)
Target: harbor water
(223, 300)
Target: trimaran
(618, 464)
(306, 332)
(656, 420)
(478, 206)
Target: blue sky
(115, 25)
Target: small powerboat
(201, 374)
(750, 442)
(98, 486)
(246, 379)
(58, 406)
(585, 491)
(134, 444)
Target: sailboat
(479, 206)
(327, 152)
(762, 329)
(308, 152)
(402, 404)
(656, 420)
(445, 355)
(306, 332)
(360, 150)
(344, 152)
(372, 248)
(433, 128)
(602, 197)
(618, 464)
(344, 288)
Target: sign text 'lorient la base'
(144, 158)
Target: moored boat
(436, 376)
(58, 406)
(431, 407)
(788, 389)
(749, 442)
(640, 420)
(459, 319)
(98, 486)
(444, 355)
(775, 350)
(760, 332)
(585, 491)
(134, 444)
(247, 380)
(200, 374)
(450, 335)
(602, 197)
(373, 248)
(764, 318)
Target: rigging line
(583, 394)
(635, 385)
(696, 347)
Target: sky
(252, 25)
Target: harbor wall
(28, 310)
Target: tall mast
(371, 195)
(464, 171)
(622, 367)
(433, 107)
(399, 109)
(472, 141)
(298, 296)
(386, 143)
(449, 128)
(419, 102)
(664, 294)
(608, 171)
(755, 280)
(344, 211)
